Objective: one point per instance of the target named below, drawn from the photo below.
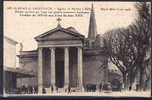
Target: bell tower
(92, 31)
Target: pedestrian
(44, 91)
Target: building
(65, 58)
(9, 52)
(11, 72)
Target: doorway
(59, 65)
(60, 74)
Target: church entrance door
(60, 74)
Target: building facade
(9, 52)
(9, 62)
(66, 59)
(11, 73)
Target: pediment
(59, 34)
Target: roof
(19, 71)
(70, 30)
(12, 40)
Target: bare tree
(127, 48)
(121, 52)
(140, 34)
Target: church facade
(66, 59)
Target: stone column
(66, 68)
(80, 69)
(52, 67)
(40, 71)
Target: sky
(24, 29)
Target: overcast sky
(24, 29)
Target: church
(65, 58)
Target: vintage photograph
(77, 48)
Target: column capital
(66, 47)
(52, 48)
(40, 48)
(79, 47)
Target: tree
(140, 34)
(121, 51)
(98, 41)
(127, 48)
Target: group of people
(28, 90)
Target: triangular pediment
(59, 34)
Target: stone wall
(30, 65)
(92, 71)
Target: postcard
(77, 48)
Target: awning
(20, 72)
